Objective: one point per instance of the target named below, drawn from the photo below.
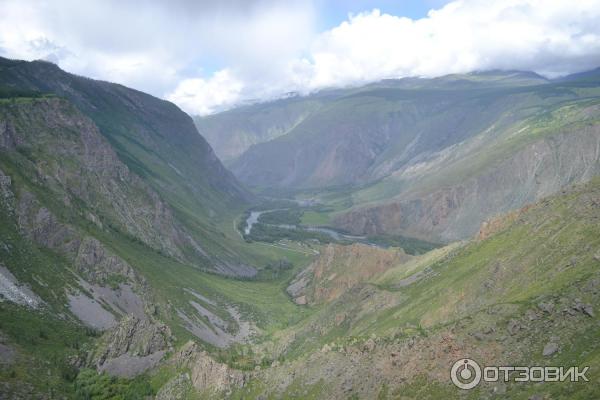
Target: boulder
(549, 349)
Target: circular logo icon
(465, 373)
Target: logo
(465, 374)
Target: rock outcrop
(456, 211)
(123, 160)
(207, 375)
(340, 268)
(132, 347)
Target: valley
(366, 239)
(289, 223)
(403, 157)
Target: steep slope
(340, 268)
(448, 194)
(368, 132)
(159, 144)
(232, 132)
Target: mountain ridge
(383, 142)
(158, 143)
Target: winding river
(335, 235)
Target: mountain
(524, 291)
(231, 133)
(433, 158)
(118, 239)
(153, 142)
(124, 274)
(356, 130)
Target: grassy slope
(547, 253)
(41, 337)
(44, 341)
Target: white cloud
(263, 48)
(208, 96)
(550, 37)
(159, 46)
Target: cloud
(209, 56)
(156, 45)
(552, 38)
(206, 97)
(549, 37)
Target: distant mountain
(231, 133)
(362, 134)
(433, 158)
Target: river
(252, 219)
(335, 235)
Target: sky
(209, 56)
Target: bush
(89, 385)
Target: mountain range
(427, 158)
(403, 225)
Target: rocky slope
(433, 158)
(231, 133)
(523, 292)
(340, 268)
(447, 196)
(95, 225)
(137, 142)
(363, 134)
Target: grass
(91, 385)
(316, 218)
(45, 345)
(417, 264)
(548, 251)
(530, 258)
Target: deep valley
(354, 243)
